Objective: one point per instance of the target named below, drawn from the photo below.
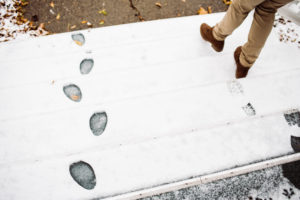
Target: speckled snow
(267, 184)
(10, 29)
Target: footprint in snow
(98, 123)
(86, 66)
(73, 92)
(78, 39)
(83, 174)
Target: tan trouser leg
(236, 14)
(260, 29)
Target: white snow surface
(174, 109)
(291, 11)
(287, 23)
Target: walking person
(262, 24)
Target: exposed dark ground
(68, 15)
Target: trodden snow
(173, 109)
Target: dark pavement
(65, 15)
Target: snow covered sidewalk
(136, 106)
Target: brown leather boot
(206, 33)
(241, 71)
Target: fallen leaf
(74, 97)
(227, 2)
(202, 11)
(158, 4)
(72, 27)
(52, 4)
(83, 22)
(101, 22)
(58, 16)
(78, 43)
(103, 12)
(24, 19)
(209, 9)
(89, 24)
(24, 3)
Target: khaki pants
(260, 29)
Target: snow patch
(13, 25)
(287, 31)
(267, 184)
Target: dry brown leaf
(158, 4)
(202, 11)
(24, 19)
(89, 24)
(58, 16)
(74, 97)
(52, 4)
(227, 2)
(209, 9)
(18, 22)
(83, 22)
(24, 3)
(72, 27)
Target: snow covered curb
(208, 178)
(267, 184)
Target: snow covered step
(142, 118)
(159, 44)
(35, 99)
(158, 161)
(153, 105)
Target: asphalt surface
(64, 15)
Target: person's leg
(235, 15)
(260, 29)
